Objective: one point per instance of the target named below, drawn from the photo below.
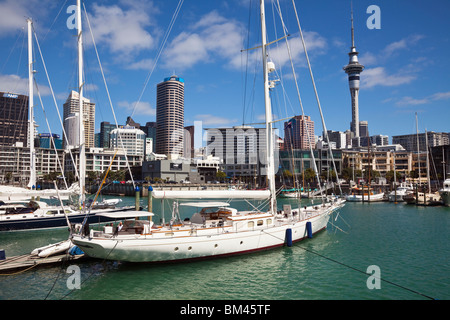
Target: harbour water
(409, 245)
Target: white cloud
(379, 77)
(408, 101)
(211, 120)
(137, 109)
(144, 64)
(211, 37)
(441, 96)
(122, 29)
(15, 84)
(13, 13)
(404, 43)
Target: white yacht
(215, 229)
(358, 194)
(402, 190)
(445, 192)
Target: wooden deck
(28, 261)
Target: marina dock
(28, 261)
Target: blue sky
(407, 68)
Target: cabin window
(269, 221)
(251, 224)
(259, 222)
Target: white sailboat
(216, 230)
(18, 193)
(445, 192)
(39, 215)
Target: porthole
(242, 242)
(190, 248)
(176, 249)
(216, 245)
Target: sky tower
(353, 69)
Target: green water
(409, 244)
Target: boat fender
(288, 239)
(309, 229)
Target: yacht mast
(82, 155)
(269, 137)
(32, 182)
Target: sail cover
(211, 194)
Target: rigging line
(353, 268)
(56, 105)
(246, 62)
(92, 273)
(109, 97)
(21, 33)
(300, 101)
(363, 272)
(166, 36)
(51, 136)
(317, 97)
(50, 28)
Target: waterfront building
(379, 160)
(105, 129)
(15, 160)
(170, 117)
(13, 118)
(338, 137)
(409, 141)
(242, 149)
(188, 147)
(353, 69)
(128, 138)
(49, 141)
(99, 160)
(299, 133)
(71, 113)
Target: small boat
(39, 215)
(293, 193)
(401, 192)
(423, 199)
(106, 203)
(445, 192)
(364, 194)
(53, 249)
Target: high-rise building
(353, 69)
(409, 141)
(170, 117)
(242, 149)
(128, 138)
(105, 130)
(13, 119)
(72, 109)
(299, 133)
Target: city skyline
(406, 66)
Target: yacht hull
(202, 244)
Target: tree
(220, 175)
(390, 176)
(309, 174)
